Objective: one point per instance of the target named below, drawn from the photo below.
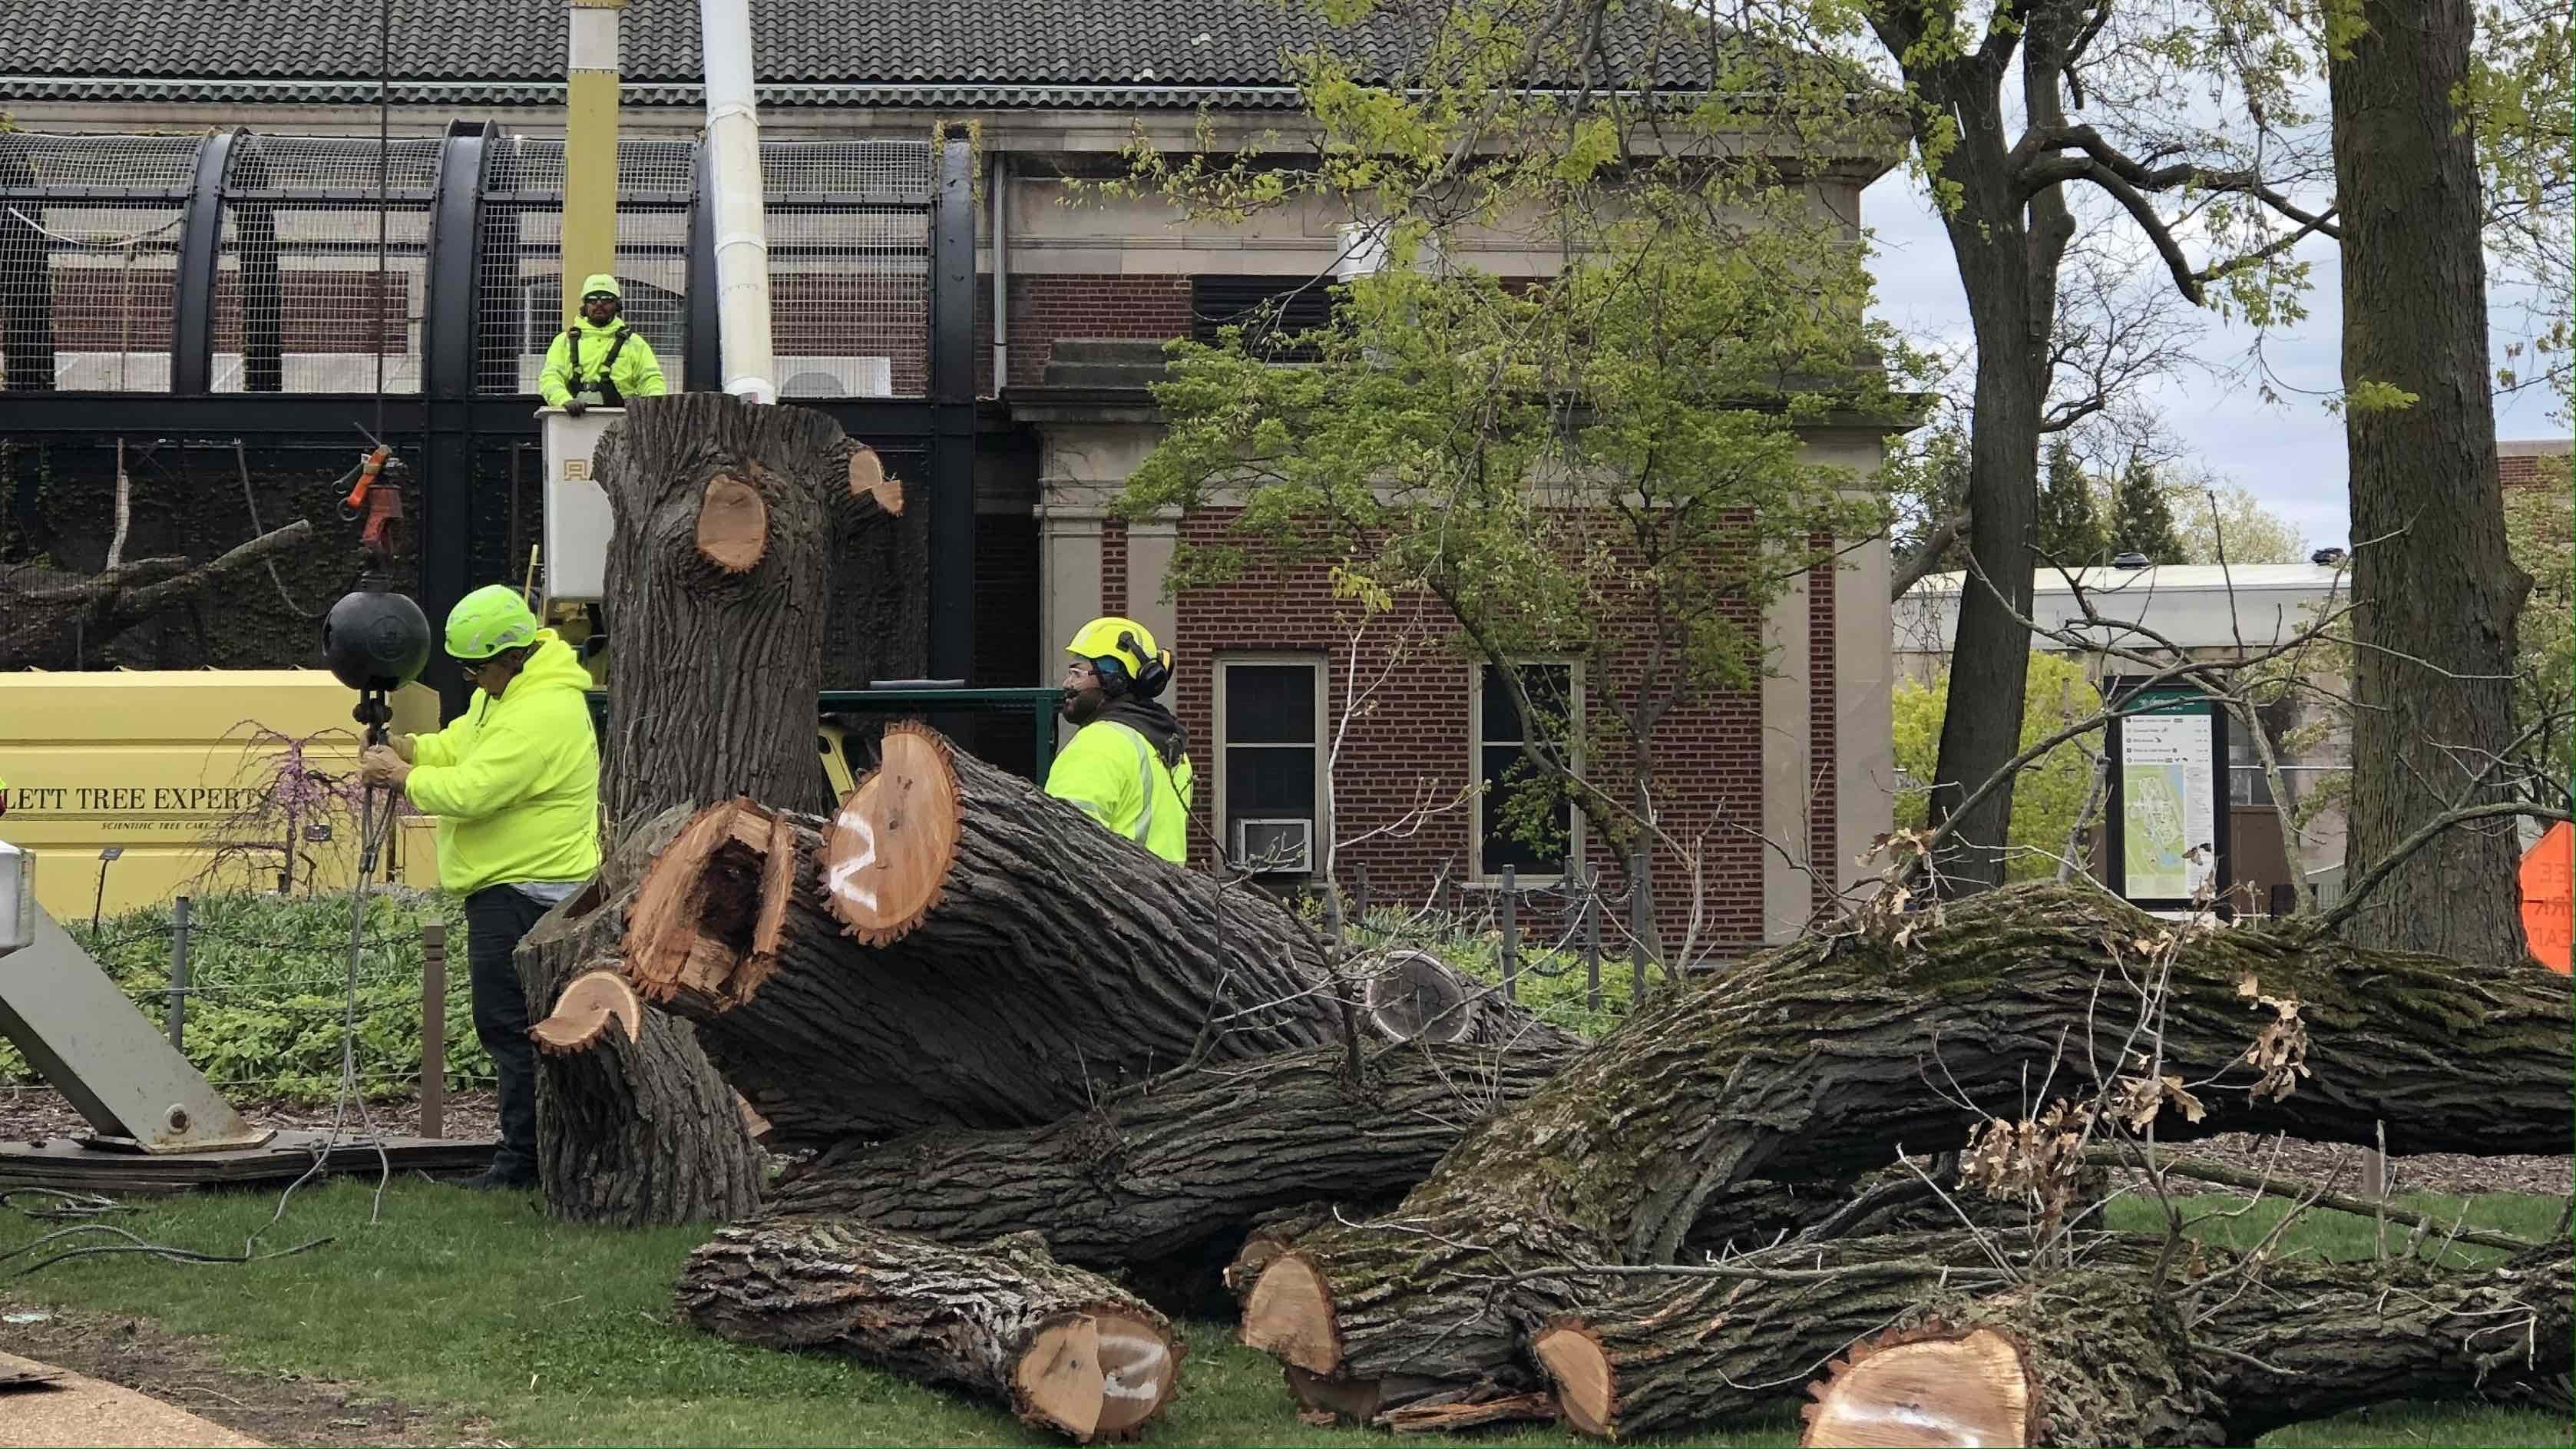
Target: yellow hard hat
(598, 282)
(1129, 644)
(487, 621)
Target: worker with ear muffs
(1128, 765)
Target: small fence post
(1590, 905)
(1641, 922)
(433, 1029)
(1511, 924)
(178, 1014)
(1359, 892)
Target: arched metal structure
(235, 285)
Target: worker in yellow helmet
(599, 361)
(514, 782)
(1128, 764)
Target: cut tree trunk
(1817, 1061)
(1065, 1349)
(1024, 961)
(1931, 1345)
(1162, 1180)
(2438, 593)
(730, 520)
(51, 621)
(632, 1130)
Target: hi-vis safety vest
(1114, 773)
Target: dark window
(1271, 759)
(1271, 311)
(1507, 773)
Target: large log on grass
(1822, 1059)
(958, 949)
(1162, 1180)
(1066, 1350)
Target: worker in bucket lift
(1128, 765)
(599, 361)
(514, 783)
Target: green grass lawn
(565, 1335)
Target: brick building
(1087, 293)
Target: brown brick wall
(1113, 566)
(1413, 745)
(1046, 306)
(2532, 471)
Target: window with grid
(1269, 739)
(1555, 693)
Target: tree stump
(634, 1127)
(1064, 1349)
(959, 949)
(1810, 1063)
(730, 522)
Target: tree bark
(2438, 591)
(50, 622)
(630, 1132)
(1819, 1060)
(1162, 1180)
(730, 521)
(1924, 1333)
(990, 958)
(1066, 1350)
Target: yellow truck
(194, 779)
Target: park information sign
(2168, 788)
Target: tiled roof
(1072, 53)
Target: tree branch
(2424, 835)
(1926, 555)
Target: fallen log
(634, 1127)
(50, 622)
(962, 950)
(1064, 1349)
(1161, 1181)
(1820, 1060)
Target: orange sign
(2548, 892)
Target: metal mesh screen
(849, 266)
(300, 303)
(88, 272)
(522, 260)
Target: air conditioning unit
(1275, 846)
(812, 376)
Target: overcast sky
(2291, 453)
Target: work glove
(575, 407)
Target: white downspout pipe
(742, 234)
(1001, 184)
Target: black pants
(495, 918)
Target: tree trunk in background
(2438, 591)
(730, 521)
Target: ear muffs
(1156, 676)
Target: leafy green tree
(2053, 790)
(2142, 521)
(2068, 531)
(2218, 522)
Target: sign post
(2168, 829)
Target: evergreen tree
(2142, 522)
(2067, 530)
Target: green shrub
(268, 976)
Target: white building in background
(2207, 611)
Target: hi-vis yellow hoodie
(514, 781)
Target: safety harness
(609, 396)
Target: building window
(1270, 310)
(1270, 728)
(1555, 689)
